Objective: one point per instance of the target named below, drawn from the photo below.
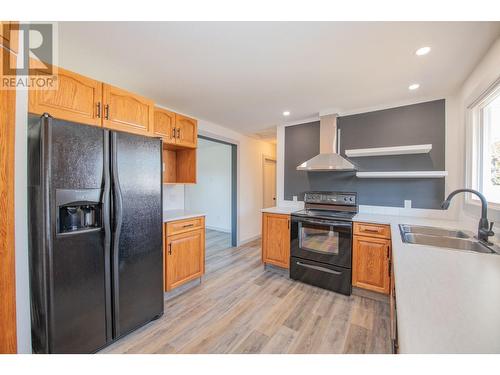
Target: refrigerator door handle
(106, 214)
(118, 220)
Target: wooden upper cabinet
(276, 239)
(164, 125)
(370, 263)
(9, 38)
(126, 111)
(186, 131)
(77, 99)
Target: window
(484, 169)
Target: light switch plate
(407, 203)
(294, 198)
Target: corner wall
(250, 194)
(212, 192)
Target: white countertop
(285, 210)
(173, 215)
(448, 301)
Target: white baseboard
(247, 240)
(225, 230)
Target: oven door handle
(318, 268)
(329, 223)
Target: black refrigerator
(95, 234)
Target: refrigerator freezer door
(137, 249)
(70, 307)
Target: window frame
(474, 143)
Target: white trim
(382, 151)
(218, 229)
(301, 122)
(403, 174)
(280, 164)
(402, 103)
(474, 142)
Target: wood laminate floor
(240, 307)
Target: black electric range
(321, 240)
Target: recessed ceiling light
(423, 51)
(413, 86)
(286, 113)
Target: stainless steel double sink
(441, 237)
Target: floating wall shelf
(403, 174)
(383, 151)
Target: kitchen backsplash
(173, 197)
(422, 123)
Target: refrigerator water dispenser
(78, 210)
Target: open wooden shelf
(384, 151)
(179, 165)
(403, 174)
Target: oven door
(325, 241)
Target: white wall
(21, 225)
(483, 75)
(250, 176)
(173, 196)
(212, 192)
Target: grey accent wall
(414, 124)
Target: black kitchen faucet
(484, 230)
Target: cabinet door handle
(188, 225)
(371, 230)
(179, 133)
(318, 268)
(173, 133)
(106, 111)
(98, 109)
(388, 251)
(170, 248)
(288, 224)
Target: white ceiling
(243, 75)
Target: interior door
(269, 182)
(184, 257)
(137, 251)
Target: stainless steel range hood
(328, 160)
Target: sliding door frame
(234, 186)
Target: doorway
(269, 180)
(215, 192)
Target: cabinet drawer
(372, 230)
(181, 226)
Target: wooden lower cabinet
(371, 263)
(184, 254)
(276, 239)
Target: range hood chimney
(328, 160)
